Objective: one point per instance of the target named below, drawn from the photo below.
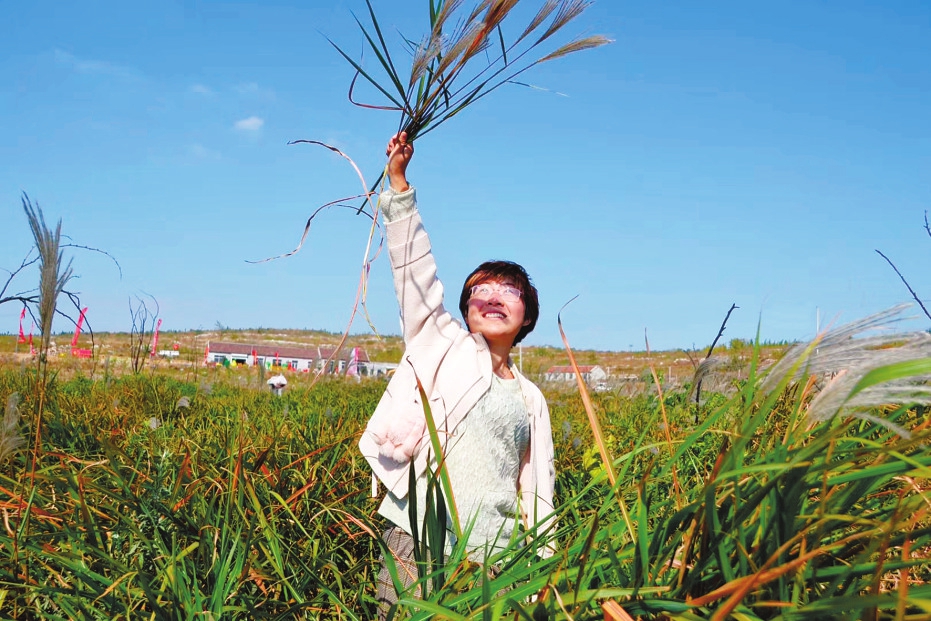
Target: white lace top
(483, 458)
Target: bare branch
(905, 282)
(707, 357)
(103, 252)
(26, 262)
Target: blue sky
(716, 153)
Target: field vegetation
(198, 494)
(792, 489)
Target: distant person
(493, 423)
(277, 383)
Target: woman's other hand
(399, 153)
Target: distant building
(590, 374)
(350, 361)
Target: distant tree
(140, 332)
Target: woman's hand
(399, 153)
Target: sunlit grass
(161, 497)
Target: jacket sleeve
(419, 291)
(396, 429)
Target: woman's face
(495, 312)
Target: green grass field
(196, 494)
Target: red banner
(155, 338)
(22, 315)
(77, 328)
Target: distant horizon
(723, 342)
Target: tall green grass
(157, 498)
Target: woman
(493, 423)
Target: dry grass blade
(614, 612)
(362, 72)
(352, 100)
(367, 195)
(595, 425)
(586, 401)
(362, 289)
(337, 203)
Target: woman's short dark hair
(502, 271)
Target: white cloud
(200, 89)
(98, 67)
(251, 124)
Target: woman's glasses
(485, 290)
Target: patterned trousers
(402, 549)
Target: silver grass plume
(577, 45)
(425, 55)
(848, 354)
(10, 440)
(568, 11)
(548, 7)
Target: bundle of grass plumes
(464, 57)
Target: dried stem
(905, 282)
(708, 356)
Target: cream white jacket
(454, 368)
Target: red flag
(77, 328)
(32, 350)
(155, 337)
(206, 352)
(22, 315)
